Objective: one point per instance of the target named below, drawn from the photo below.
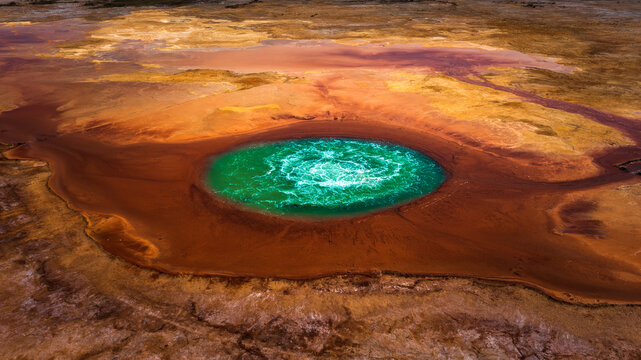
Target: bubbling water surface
(323, 176)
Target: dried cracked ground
(112, 246)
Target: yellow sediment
(199, 76)
(242, 109)
(531, 126)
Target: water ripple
(326, 176)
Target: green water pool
(323, 176)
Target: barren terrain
(112, 245)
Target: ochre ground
(530, 108)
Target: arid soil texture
(111, 114)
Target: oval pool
(323, 176)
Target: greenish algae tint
(323, 176)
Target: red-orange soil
(482, 222)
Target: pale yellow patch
(609, 95)
(16, 23)
(169, 29)
(4, 108)
(535, 127)
(200, 76)
(243, 109)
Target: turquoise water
(323, 176)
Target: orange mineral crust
(131, 122)
(147, 203)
